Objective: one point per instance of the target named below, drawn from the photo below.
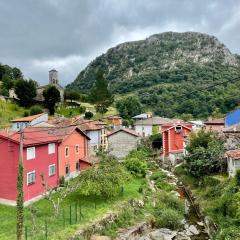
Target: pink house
(40, 156)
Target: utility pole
(20, 197)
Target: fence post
(76, 213)
(26, 236)
(70, 214)
(46, 229)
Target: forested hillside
(165, 68)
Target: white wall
(143, 130)
(233, 166)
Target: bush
(26, 114)
(237, 177)
(36, 109)
(82, 109)
(158, 175)
(136, 166)
(88, 115)
(168, 218)
(229, 233)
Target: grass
(9, 111)
(56, 227)
(71, 112)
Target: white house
(29, 121)
(145, 127)
(233, 161)
(197, 125)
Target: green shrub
(82, 109)
(36, 109)
(229, 233)
(158, 175)
(26, 114)
(168, 218)
(237, 177)
(88, 115)
(136, 166)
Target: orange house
(72, 151)
(114, 120)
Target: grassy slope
(9, 111)
(89, 107)
(56, 226)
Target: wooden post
(20, 196)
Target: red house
(173, 138)
(40, 156)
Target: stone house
(233, 161)
(121, 142)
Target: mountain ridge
(188, 59)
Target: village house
(233, 161)
(103, 137)
(197, 125)
(142, 116)
(114, 121)
(174, 137)
(72, 151)
(29, 121)
(121, 142)
(40, 156)
(150, 126)
(216, 125)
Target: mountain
(166, 66)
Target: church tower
(53, 77)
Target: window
(31, 178)
(51, 148)
(52, 170)
(178, 129)
(30, 153)
(66, 151)
(77, 166)
(77, 148)
(67, 169)
(18, 125)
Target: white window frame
(49, 173)
(34, 153)
(30, 183)
(77, 147)
(53, 150)
(65, 152)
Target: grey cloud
(68, 34)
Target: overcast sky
(37, 35)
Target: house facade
(174, 137)
(40, 156)
(216, 125)
(115, 121)
(121, 142)
(29, 121)
(149, 126)
(233, 162)
(72, 151)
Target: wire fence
(42, 228)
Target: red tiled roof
(234, 154)
(114, 117)
(167, 126)
(27, 119)
(32, 136)
(127, 130)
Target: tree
(17, 74)
(100, 95)
(36, 109)
(129, 107)
(51, 97)
(88, 115)
(26, 92)
(71, 95)
(104, 180)
(205, 153)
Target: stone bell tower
(53, 77)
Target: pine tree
(100, 94)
